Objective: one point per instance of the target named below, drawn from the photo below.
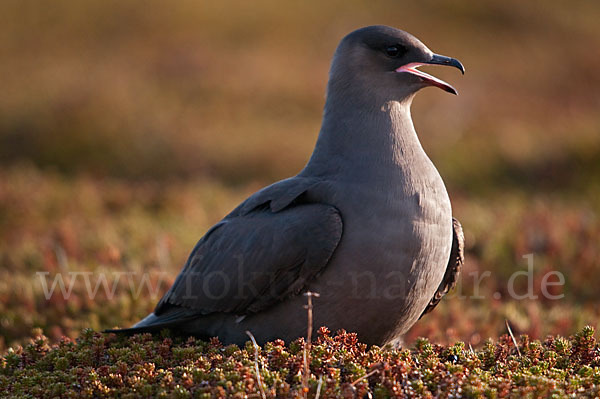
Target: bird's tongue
(432, 80)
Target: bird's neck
(359, 138)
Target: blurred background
(129, 128)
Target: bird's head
(385, 59)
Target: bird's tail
(153, 323)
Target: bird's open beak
(432, 80)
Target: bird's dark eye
(395, 51)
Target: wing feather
(253, 259)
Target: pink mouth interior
(412, 68)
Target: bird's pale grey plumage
(367, 223)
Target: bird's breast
(393, 252)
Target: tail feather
(153, 323)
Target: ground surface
(128, 129)
(144, 366)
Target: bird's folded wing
(250, 261)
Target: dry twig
(307, 344)
(513, 337)
(370, 373)
(319, 387)
(258, 379)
